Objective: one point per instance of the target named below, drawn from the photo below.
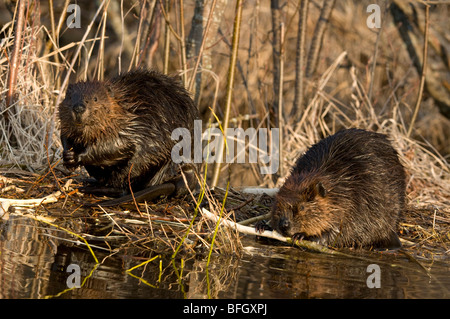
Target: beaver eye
(298, 209)
(95, 99)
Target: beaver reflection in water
(120, 131)
(346, 190)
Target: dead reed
(351, 85)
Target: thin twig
(101, 55)
(255, 219)
(14, 66)
(374, 64)
(69, 71)
(166, 42)
(230, 84)
(167, 21)
(300, 62)
(280, 100)
(424, 69)
(183, 45)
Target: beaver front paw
(297, 237)
(261, 226)
(70, 159)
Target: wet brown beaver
(120, 130)
(346, 190)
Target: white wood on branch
(5, 203)
(269, 234)
(243, 229)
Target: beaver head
(83, 100)
(302, 208)
(89, 110)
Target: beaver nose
(79, 108)
(284, 224)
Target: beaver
(345, 191)
(120, 131)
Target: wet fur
(125, 128)
(346, 190)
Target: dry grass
(344, 92)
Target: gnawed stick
(5, 203)
(259, 190)
(52, 198)
(268, 234)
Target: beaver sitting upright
(120, 129)
(346, 190)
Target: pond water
(34, 264)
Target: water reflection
(312, 275)
(33, 264)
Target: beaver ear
(69, 89)
(320, 189)
(316, 189)
(109, 89)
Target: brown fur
(121, 128)
(103, 118)
(346, 190)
